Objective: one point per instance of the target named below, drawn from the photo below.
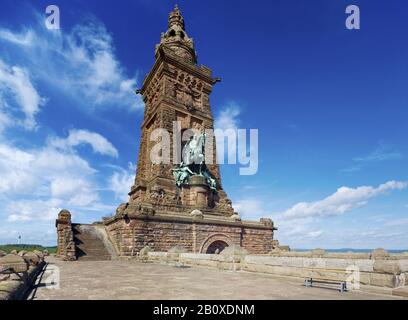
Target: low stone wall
(386, 271)
(161, 232)
(222, 262)
(382, 273)
(19, 273)
(211, 260)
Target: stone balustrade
(372, 269)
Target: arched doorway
(215, 241)
(216, 247)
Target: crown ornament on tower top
(176, 18)
(176, 37)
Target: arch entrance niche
(215, 243)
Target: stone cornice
(176, 106)
(166, 56)
(62, 221)
(186, 219)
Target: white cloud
(324, 227)
(48, 178)
(121, 181)
(8, 235)
(385, 236)
(67, 187)
(81, 62)
(382, 153)
(396, 222)
(314, 234)
(288, 232)
(36, 184)
(33, 210)
(304, 229)
(34, 232)
(18, 94)
(76, 137)
(24, 38)
(5, 120)
(250, 208)
(343, 200)
(42, 172)
(14, 169)
(228, 117)
(226, 125)
(87, 197)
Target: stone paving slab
(119, 279)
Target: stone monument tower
(176, 92)
(176, 202)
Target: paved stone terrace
(135, 280)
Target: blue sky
(331, 106)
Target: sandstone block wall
(257, 241)
(132, 235)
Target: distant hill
(27, 247)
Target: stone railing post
(65, 236)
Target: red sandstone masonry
(65, 241)
(164, 232)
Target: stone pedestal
(66, 245)
(197, 193)
(196, 232)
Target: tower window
(182, 34)
(172, 33)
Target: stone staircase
(90, 244)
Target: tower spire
(176, 37)
(176, 18)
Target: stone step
(92, 251)
(93, 243)
(94, 258)
(89, 247)
(85, 237)
(90, 244)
